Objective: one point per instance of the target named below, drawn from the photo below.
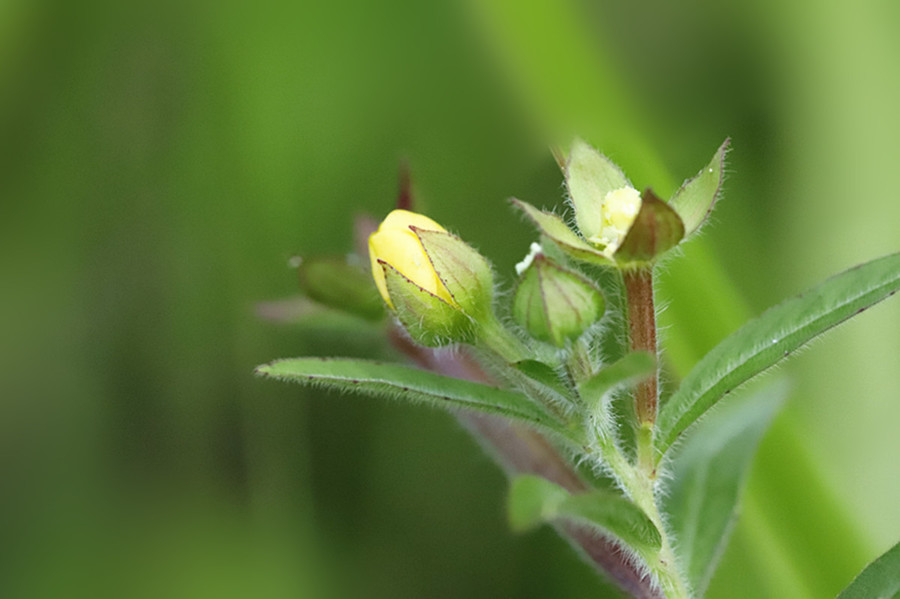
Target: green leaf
(879, 580)
(589, 177)
(772, 337)
(544, 374)
(656, 229)
(533, 500)
(697, 197)
(403, 382)
(630, 369)
(555, 229)
(708, 473)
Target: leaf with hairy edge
(544, 374)
(533, 500)
(554, 228)
(630, 369)
(697, 197)
(879, 580)
(707, 474)
(403, 382)
(770, 338)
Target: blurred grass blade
(773, 336)
(630, 369)
(708, 473)
(879, 580)
(533, 500)
(402, 382)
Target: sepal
(429, 319)
(465, 273)
(656, 229)
(697, 197)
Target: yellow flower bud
(399, 246)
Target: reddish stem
(642, 327)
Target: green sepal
(657, 228)
(534, 500)
(697, 196)
(465, 273)
(557, 231)
(332, 282)
(411, 384)
(589, 177)
(426, 317)
(555, 304)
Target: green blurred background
(159, 163)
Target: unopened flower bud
(337, 283)
(436, 284)
(555, 304)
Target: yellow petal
(396, 244)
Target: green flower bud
(552, 303)
(334, 282)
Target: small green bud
(552, 303)
(336, 283)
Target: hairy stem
(642, 330)
(639, 484)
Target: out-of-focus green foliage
(160, 162)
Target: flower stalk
(642, 333)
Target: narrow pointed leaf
(533, 500)
(555, 229)
(544, 374)
(708, 473)
(770, 338)
(402, 382)
(697, 197)
(630, 369)
(656, 229)
(879, 580)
